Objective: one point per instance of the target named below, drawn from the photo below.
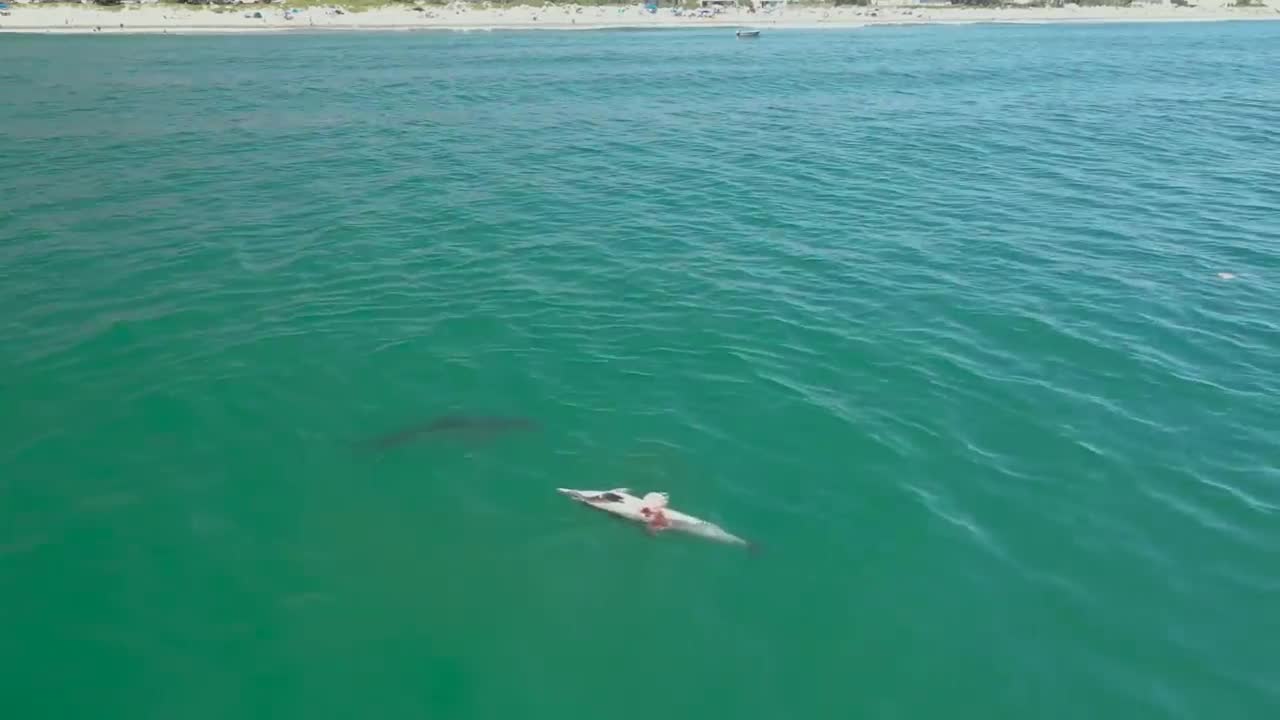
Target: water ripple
(935, 314)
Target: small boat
(748, 33)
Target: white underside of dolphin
(620, 502)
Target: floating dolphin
(652, 510)
(451, 424)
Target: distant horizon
(182, 18)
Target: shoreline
(239, 19)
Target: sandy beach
(169, 18)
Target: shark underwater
(474, 426)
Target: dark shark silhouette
(469, 425)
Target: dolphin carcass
(652, 511)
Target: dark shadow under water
(468, 426)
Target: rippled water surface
(934, 315)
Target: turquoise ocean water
(932, 314)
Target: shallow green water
(931, 314)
